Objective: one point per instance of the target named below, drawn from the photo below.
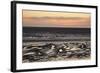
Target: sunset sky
(56, 19)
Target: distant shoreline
(56, 30)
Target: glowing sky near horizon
(56, 19)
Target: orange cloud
(56, 19)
